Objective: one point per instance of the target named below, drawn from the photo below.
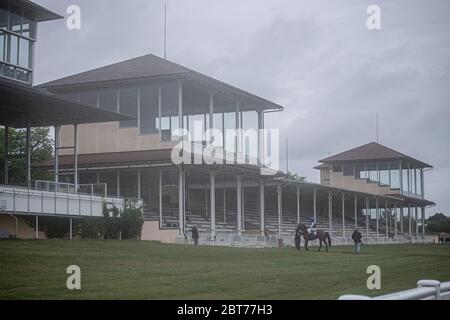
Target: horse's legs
(326, 246)
(320, 244)
(306, 245)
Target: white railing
(426, 290)
(22, 200)
(94, 189)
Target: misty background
(316, 58)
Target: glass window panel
(3, 46)
(169, 99)
(395, 176)
(196, 127)
(419, 181)
(29, 28)
(128, 104)
(14, 49)
(4, 14)
(149, 109)
(107, 100)
(15, 20)
(89, 98)
(348, 170)
(24, 53)
(230, 126)
(405, 179)
(218, 126)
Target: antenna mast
(377, 130)
(165, 31)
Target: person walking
(195, 235)
(356, 236)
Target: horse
(323, 236)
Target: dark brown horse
(323, 236)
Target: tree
(41, 149)
(438, 223)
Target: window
(14, 49)
(108, 100)
(89, 98)
(24, 53)
(29, 28)
(15, 20)
(4, 15)
(3, 46)
(128, 105)
(149, 109)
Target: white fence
(24, 200)
(426, 290)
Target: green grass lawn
(149, 270)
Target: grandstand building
(371, 188)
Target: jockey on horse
(312, 228)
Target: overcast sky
(316, 58)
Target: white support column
(416, 224)
(160, 198)
(423, 223)
(377, 212)
(180, 106)
(315, 204)
(261, 137)
(238, 129)
(280, 209)
(409, 221)
(180, 200)
(330, 212)
(212, 193)
(70, 228)
(395, 219)
(211, 116)
(139, 172)
(118, 182)
(386, 218)
(343, 215)
(401, 177)
(402, 230)
(224, 205)
(75, 148)
(298, 204)
(160, 111)
(261, 207)
(367, 216)
(57, 155)
(356, 211)
(37, 228)
(6, 152)
(239, 203)
(28, 159)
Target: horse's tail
(328, 238)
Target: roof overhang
(22, 105)
(39, 13)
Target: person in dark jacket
(195, 235)
(356, 236)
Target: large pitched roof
(149, 67)
(140, 67)
(372, 152)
